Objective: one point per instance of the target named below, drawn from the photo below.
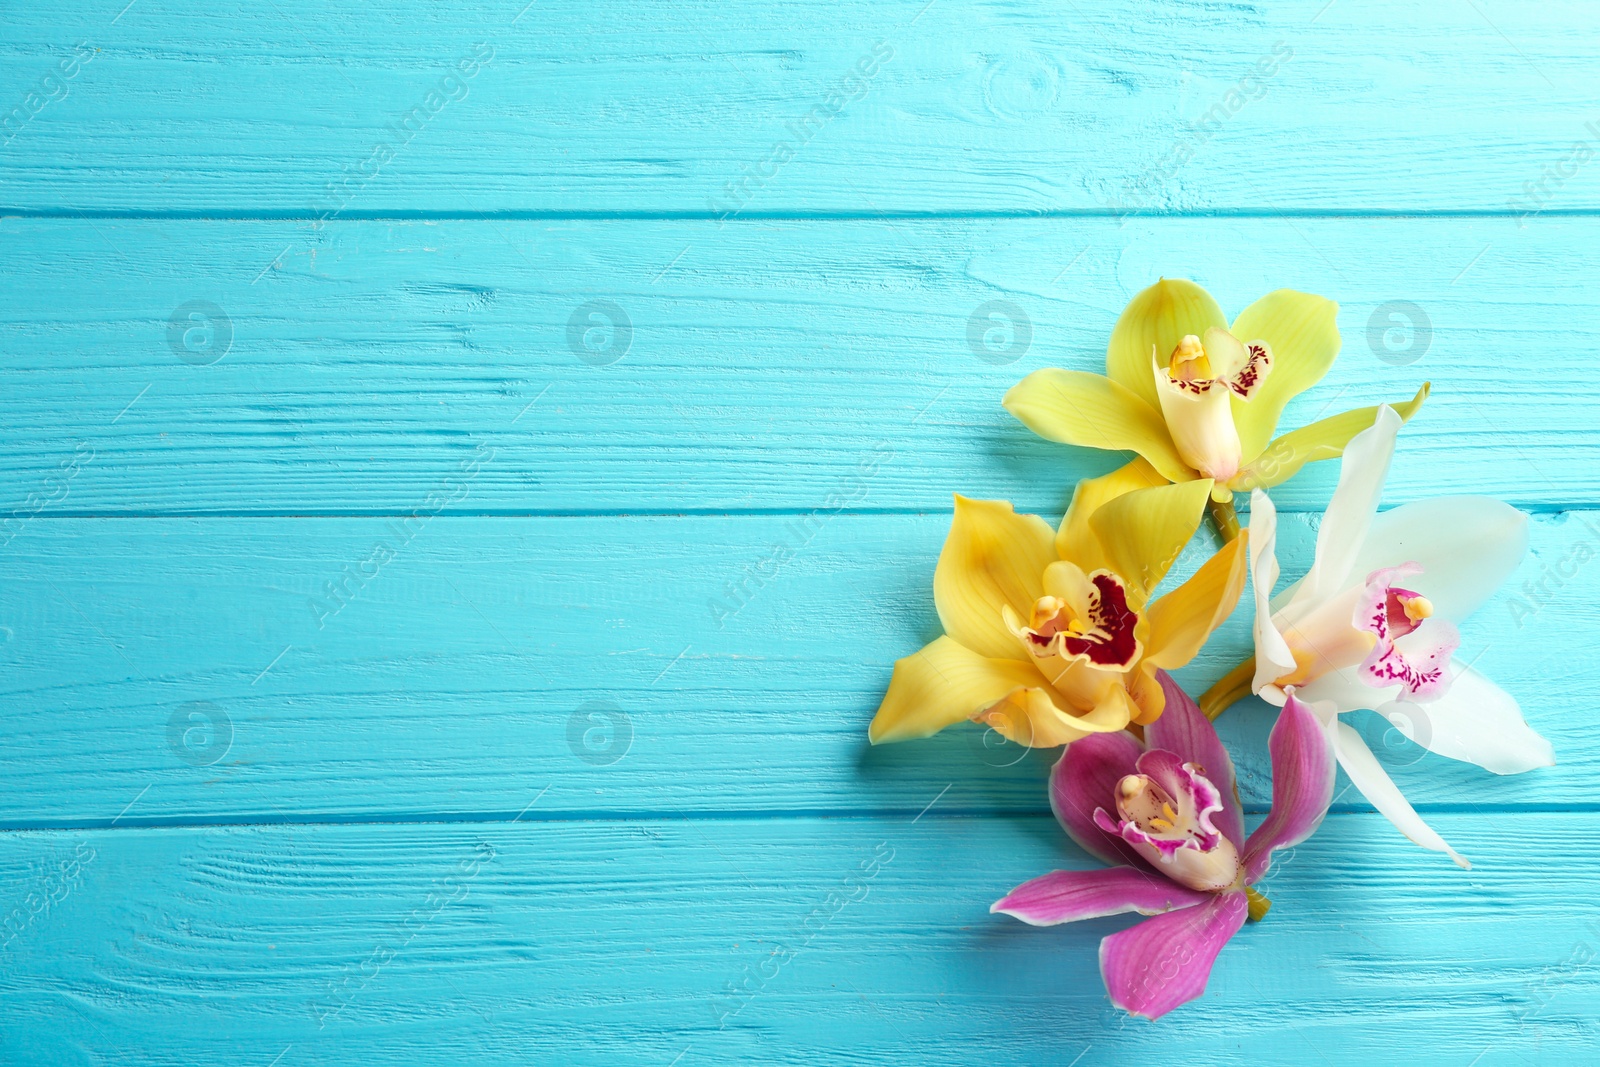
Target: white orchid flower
(1350, 635)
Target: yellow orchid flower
(1050, 637)
(1199, 399)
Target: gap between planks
(651, 815)
(1540, 508)
(932, 215)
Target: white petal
(1467, 545)
(1346, 691)
(1344, 525)
(1368, 775)
(1475, 721)
(1273, 658)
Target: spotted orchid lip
(1110, 639)
(1382, 608)
(1196, 387)
(1184, 797)
(1254, 371)
(1243, 381)
(1165, 814)
(1411, 649)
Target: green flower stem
(1233, 686)
(1226, 519)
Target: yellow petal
(1142, 532)
(942, 684)
(1065, 580)
(946, 683)
(1075, 540)
(1029, 717)
(1324, 439)
(1078, 408)
(1159, 317)
(1082, 684)
(993, 558)
(1181, 621)
(1149, 699)
(1302, 331)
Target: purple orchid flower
(1167, 815)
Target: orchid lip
(1165, 812)
(1411, 648)
(1191, 367)
(1101, 632)
(1196, 388)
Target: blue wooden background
(393, 392)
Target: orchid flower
(1371, 625)
(1168, 816)
(1196, 398)
(1050, 637)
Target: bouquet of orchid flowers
(1052, 638)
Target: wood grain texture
(454, 681)
(767, 363)
(727, 941)
(531, 782)
(978, 106)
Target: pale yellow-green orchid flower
(1199, 399)
(1050, 637)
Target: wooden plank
(957, 106)
(766, 366)
(729, 941)
(520, 790)
(596, 663)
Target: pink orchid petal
(1067, 896)
(1303, 770)
(1085, 778)
(1163, 962)
(1184, 729)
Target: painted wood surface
(903, 106)
(663, 366)
(789, 941)
(571, 340)
(331, 669)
